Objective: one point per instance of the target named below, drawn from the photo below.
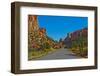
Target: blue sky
(58, 26)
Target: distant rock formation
(83, 33)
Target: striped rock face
(32, 23)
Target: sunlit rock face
(35, 34)
(32, 23)
(37, 37)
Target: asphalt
(62, 53)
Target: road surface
(59, 54)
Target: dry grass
(32, 55)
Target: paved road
(60, 54)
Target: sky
(57, 27)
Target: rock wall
(37, 37)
